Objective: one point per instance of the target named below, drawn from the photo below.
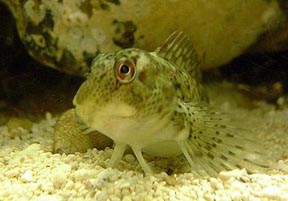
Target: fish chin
(109, 119)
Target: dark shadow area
(28, 88)
(259, 69)
(259, 76)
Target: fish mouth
(108, 118)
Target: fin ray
(178, 49)
(215, 146)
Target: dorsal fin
(178, 49)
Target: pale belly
(154, 135)
(158, 138)
(163, 149)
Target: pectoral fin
(213, 145)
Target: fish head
(124, 90)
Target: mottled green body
(154, 103)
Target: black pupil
(124, 69)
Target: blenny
(155, 103)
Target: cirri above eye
(125, 71)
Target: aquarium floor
(29, 171)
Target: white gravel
(29, 171)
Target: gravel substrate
(29, 171)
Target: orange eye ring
(125, 71)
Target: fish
(155, 103)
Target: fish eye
(125, 71)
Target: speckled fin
(214, 146)
(178, 49)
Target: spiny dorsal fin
(178, 49)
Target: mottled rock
(67, 34)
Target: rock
(67, 35)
